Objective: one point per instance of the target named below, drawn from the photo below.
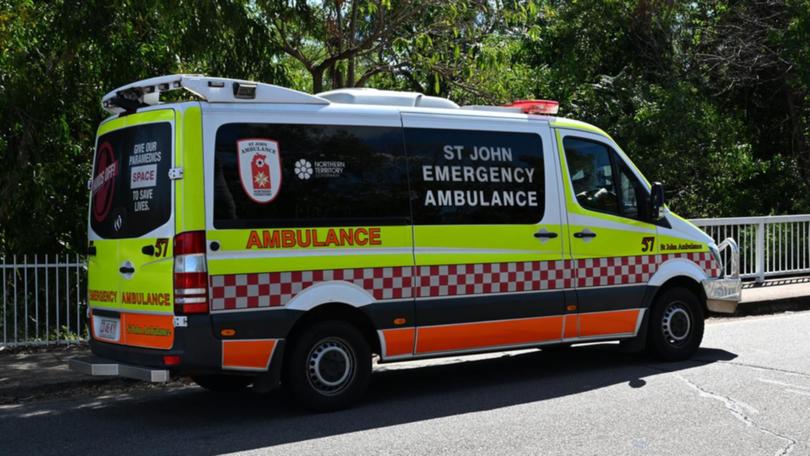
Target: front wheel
(329, 366)
(676, 325)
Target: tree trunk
(317, 80)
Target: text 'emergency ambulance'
(479, 174)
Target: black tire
(221, 383)
(329, 366)
(675, 325)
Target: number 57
(647, 244)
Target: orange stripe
(570, 326)
(488, 334)
(247, 354)
(399, 341)
(601, 323)
(145, 330)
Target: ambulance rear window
(131, 190)
(292, 175)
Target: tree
(710, 97)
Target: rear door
(131, 227)
(488, 237)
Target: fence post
(760, 252)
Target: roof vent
(366, 96)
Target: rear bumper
(199, 351)
(723, 295)
(100, 367)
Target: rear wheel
(220, 383)
(329, 367)
(676, 325)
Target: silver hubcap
(331, 366)
(676, 324)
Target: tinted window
(275, 175)
(635, 200)
(475, 177)
(591, 175)
(602, 181)
(131, 191)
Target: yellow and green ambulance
(261, 236)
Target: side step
(100, 367)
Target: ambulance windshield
(130, 190)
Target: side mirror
(656, 200)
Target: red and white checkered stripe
(274, 289)
(705, 260)
(468, 279)
(598, 272)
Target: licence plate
(107, 328)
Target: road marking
(789, 385)
(803, 393)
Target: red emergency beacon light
(547, 107)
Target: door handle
(546, 235)
(126, 270)
(584, 234)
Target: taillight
(190, 274)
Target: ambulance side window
(603, 182)
(475, 176)
(295, 175)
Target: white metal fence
(44, 296)
(44, 299)
(770, 246)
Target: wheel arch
(679, 272)
(339, 312)
(686, 282)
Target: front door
(488, 238)
(612, 240)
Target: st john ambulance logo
(259, 168)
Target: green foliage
(710, 97)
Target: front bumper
(723, 295)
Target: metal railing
(44, 299)
(771, 246)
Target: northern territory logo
(306, 169)
(259, 168)
(303, 169)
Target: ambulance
(257, 235)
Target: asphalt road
(747, 392)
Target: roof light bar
(546, 107)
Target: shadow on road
(192, 420)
